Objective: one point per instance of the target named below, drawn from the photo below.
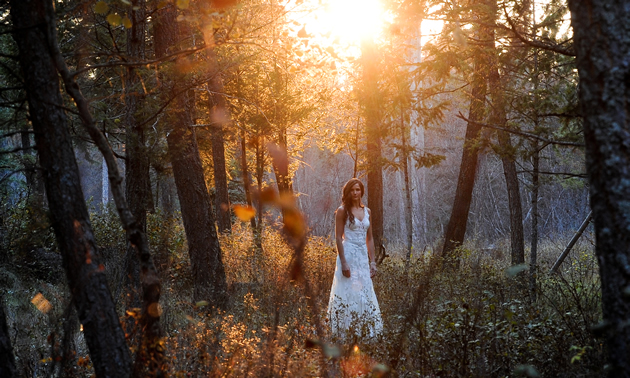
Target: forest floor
(480, 320)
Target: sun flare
(352, 20)
(347, 21)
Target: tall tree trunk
(517, 238)
(7, 359)
(498, 117)
(68, 211)
(533, 257)
(137, 183)
(196, 207)
(408, 203)
(602, 47)
(219, 116)
(456, 228)
(373, 133)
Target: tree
(371, 104)
(456, 228)
(203, 243)
(68, 212)
(137, 183)
(602, 47)
(498, 117)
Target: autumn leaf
(244, 213)
(182, 4)
(127, 23)
(101, 7)
(114, 19)
(41, 303)
(154, 309)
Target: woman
(352, 298)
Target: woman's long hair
(346, 198)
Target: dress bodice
(355, 232)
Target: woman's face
(355, 192)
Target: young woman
(352, 298)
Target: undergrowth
(478, 321)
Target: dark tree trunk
(246, 181)
(34, 182)
(373, 133)
(219, 116)
(68, 211)
(260, 171)
(456, 228)
(506, 151)
(517, 238)
(533, 255)
(196, 207)
(408, 202)
(7, 359)
(137, 183)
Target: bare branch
(541, 45)
(523, 133)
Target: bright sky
(348, 21)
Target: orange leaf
(114, 19)
(244, 213)
(101, 7)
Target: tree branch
(529, 42)
(523, 133)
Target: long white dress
(352, 304)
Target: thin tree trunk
(456, 228)
(498, 117)
(203, 243)
(68, 211)
(219, 116)
(408, 202)
(534, 241)
(517, 238)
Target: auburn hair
(346, 198)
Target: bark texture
(7, 359)
(137, 183)
(219, 116)
(456, 228)
(196, 207)
(68, 211)
(602, 44)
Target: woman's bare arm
(339, 223)
(369, 240)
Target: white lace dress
(352, 302)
